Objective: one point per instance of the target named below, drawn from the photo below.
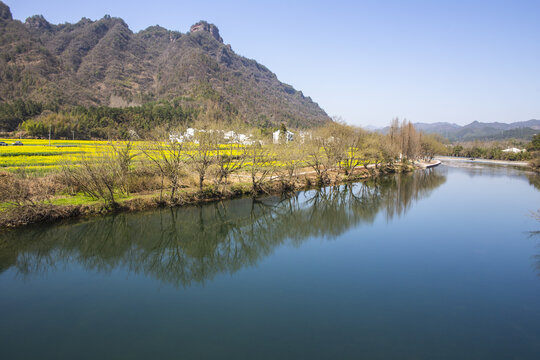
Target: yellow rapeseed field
(38, 156)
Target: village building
(278, 136)
(513, 150)
(228, 137)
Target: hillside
(104, 63)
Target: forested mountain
(481, 131)
(103, 63)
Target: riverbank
(482, 161)
(428, 164)
(61, 208)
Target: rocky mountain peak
(210, 28)
(5, 13)
(103, 63)
(38, 22)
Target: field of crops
(38, 156)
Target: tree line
(490, 150)
(94, 122)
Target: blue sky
(366, 61)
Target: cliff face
(5, 12)
(104, 63)
(210, 28)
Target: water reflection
(190, 245)
(534, 180)
(479, 168)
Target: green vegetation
(105, 122)
(493, 150)
(534, 150)
(12, 114)
(490, 150)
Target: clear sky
(366, 61)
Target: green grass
(81, 199)
(78, 199)
(6, 206)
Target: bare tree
(403, 139)
(21, 189)
(259, 161)
(410, 141)
(167, 156)
(354, 154)
(394, 135)
(124, 156)
(230, 157)
(291, 157)
(315, 158)
(373, 150)
(332, 142)
(389, 149)
(430, 145)
(339, 143)
(201, 153)
(96, 176)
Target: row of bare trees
(343, 149)
(411, 144)
(206, 157)
(334, 152)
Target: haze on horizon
(366, 61)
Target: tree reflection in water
(190, 245)
(534, 180)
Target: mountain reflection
(190, 245)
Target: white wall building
(228, 137)
(513, 150)
(304, 135)
(233, 137)
(289, 136)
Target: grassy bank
(66, 206)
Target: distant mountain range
(481, 131)
(104, 63)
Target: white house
(304, 135)
(176, 138)
(228, 136)
(233, 137)
(289, 136)
(245, 139)
(513, 150)
(186, 136)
